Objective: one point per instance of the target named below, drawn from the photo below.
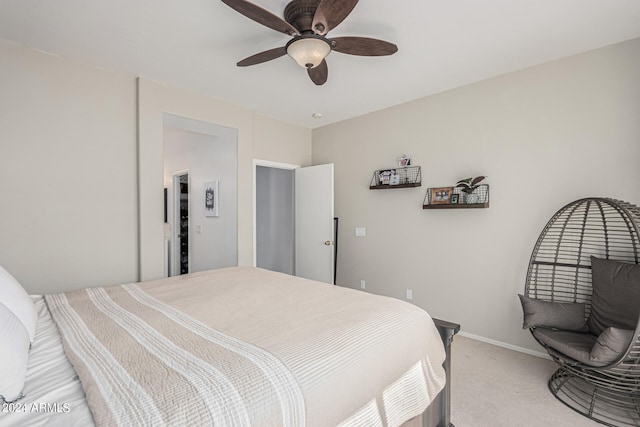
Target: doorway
(207, 153)
(275, 219)
(293, 219)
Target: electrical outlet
(409, 294)
(362, 285)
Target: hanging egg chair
(582, 304)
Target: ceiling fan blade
(363, 46)
(330, 13)
(261, 16)
(265, 56)
(319, 74)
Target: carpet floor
(494, 387)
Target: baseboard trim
(505, 345)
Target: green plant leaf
(477, 180)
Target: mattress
(237, 346)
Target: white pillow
(14, 342)
(16, 299)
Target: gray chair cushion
(615, 300)
(611, 344)
(585, 347)
(576, 345)
(568, 316)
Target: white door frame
(269, 164)
(175, 223)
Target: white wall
(213, 241)
(544, 136)
(67, 172)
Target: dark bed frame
(439, 412)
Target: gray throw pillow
(567, 316)
(611, 344)
(615, 301)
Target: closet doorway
(180, 262)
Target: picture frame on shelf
(441, 195)
(394, 179)
(404, 161)
(455, 199)
(384, 176)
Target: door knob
(328, 243)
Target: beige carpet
(495, 387)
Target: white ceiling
(195, 44)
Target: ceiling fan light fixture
(308, 51)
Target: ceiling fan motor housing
(299, 13)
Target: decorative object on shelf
(441, 195)
(211, 198)
(468, 186)
(384, 176)
(458, 198)
(404, 161)
(408, 176)
(479, 196)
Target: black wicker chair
(560, 271)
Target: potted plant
(468, 186)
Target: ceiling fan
(308, 22)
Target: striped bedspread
(245, 346)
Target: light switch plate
(360, 232)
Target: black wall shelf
(405, 177)
(457, 206)
(479, 199)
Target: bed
(235, 346)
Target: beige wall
(285, 144)
(69, 169)
(544, 136)
(67, 172)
